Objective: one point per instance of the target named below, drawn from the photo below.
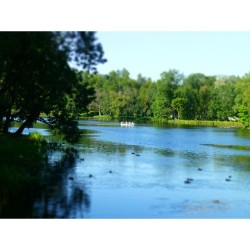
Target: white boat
(127, 124)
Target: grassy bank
(22, 159)
(174, 122)
(206, 123)
(102, 117)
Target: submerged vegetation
(238, 147)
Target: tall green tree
(222, 101)
(178, 104)
(165, 89)
(196, 90)
(145, 98)
(242, 99)
(35, 76)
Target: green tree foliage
(244, 115)
(35, 77)
(165, 88)
(242, 100)
(145, 98)
(223, 97)
(173, 96)
(196, 91)
(178, 104)
(115, 95)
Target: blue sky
(151, 53)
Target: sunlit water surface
(140, 172)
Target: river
(142, 172)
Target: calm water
(140, 172)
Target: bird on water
(188, 180)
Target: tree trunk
(26, 124)
(99, 111)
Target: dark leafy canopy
(81, 49)
(35, 78)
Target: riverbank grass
(225, 124)
(22, 159)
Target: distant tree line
(173, 96)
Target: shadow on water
(58, 193)
(55, 195)
(61, 196)
(137, 173)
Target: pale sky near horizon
(151, 53)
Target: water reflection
(61, 196)
(17, 201)
(139, 173)
(68, 201)
(89, 143)
(57, 195)
(243, 133)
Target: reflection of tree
(55, 197)
(59, 194)
(16, 201)
(62, 203)
(60, 197)
(243, 133)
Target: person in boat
(127, 123)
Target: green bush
(35, 136)
(22, 159)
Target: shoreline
(224, 124)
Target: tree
(222, 100)
(196, 90)
(187, 93)
(166, 86)
(178, 104)
(242, 99)
(244, 116)
(35, 76)
(145, 98)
